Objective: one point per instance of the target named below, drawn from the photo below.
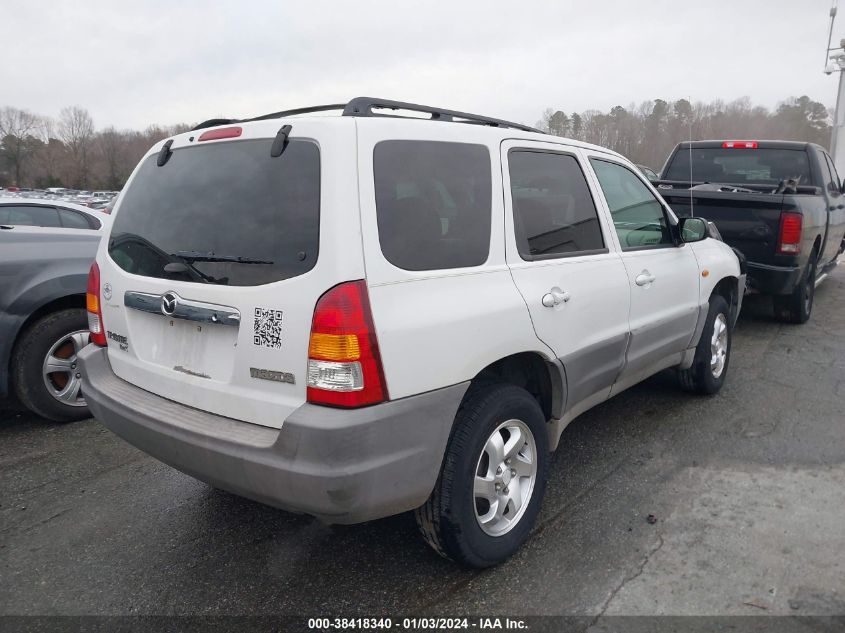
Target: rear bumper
(342, 466)
(772, 280)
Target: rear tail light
(739, 145)
(92, 304)
(789, 239)
(344, 364)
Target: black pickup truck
(780, 203)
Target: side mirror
(693, 229)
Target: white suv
(359, 315)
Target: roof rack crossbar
(365, 106)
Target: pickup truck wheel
(44, 372)
(712, 354)
(797, 307)
(492, 480)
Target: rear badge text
(269, 374)
(120, 339)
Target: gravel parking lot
(747, 488)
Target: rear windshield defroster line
(217, 208)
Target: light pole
(835, 62)
(837, 135)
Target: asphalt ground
(746, 490)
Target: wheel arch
(543, 378)
(50, 306)
(59, 303)
(728, 287)
(816, 250)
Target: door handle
(644, 278)
(555, 297)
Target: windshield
(226, 213)
(740, 166)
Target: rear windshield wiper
(196, 256)
(193, 271)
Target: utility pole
(835, 62)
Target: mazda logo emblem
(169, 300)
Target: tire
(449, 519)
(707, 374)
(63, 333)
(797, 307)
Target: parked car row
(92, 199)
(362, 315)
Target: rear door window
(225, 213)
(433, 203)
(29, 215)
(554, 213)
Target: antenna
(830, 32)
(689, 123)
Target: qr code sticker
(268, 328)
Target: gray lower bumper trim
(342, 466)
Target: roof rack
(367, 106)
(212, 123)
(295, 111)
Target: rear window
(433, 203)
(222, 201)
(738, 166)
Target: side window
(74, 220)
(433, 203)
(32, 215)
(638, 216)
(553, 211)
(835, 183)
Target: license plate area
(204, 350)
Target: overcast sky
(152, 61)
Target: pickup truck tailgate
(747, 221)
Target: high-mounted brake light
(739, 145)
(92, 303)
(789, 238)
(226, 132)
(344, 364)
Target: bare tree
(112, 145)
(17, 129)
(51, 156)
(647, 132)
(76, 129)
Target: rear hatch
(217, 257)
